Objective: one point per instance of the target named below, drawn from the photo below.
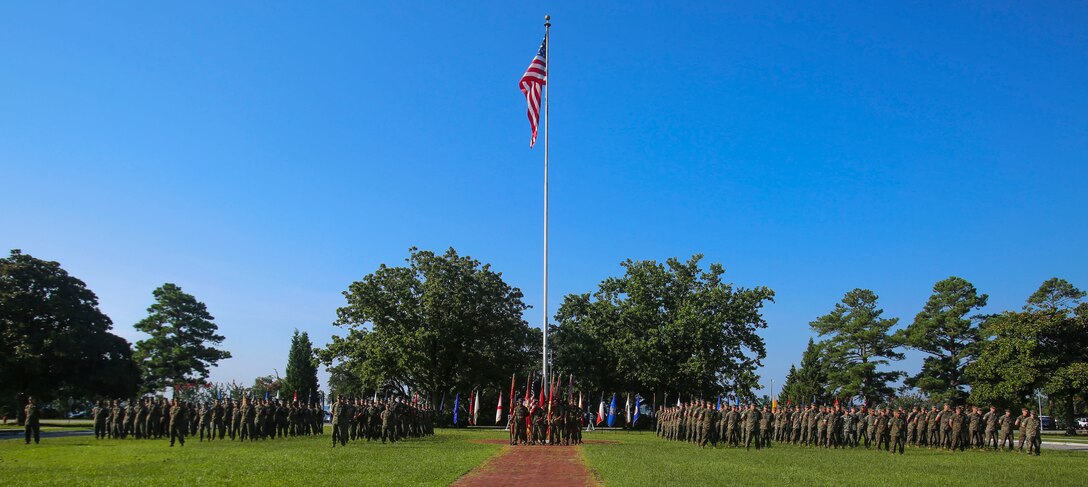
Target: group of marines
(556, 423)
(393, 420)
(701, 423)
(247, 419)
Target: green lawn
(635, 459)
(643, 459)
(302, 461)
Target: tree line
(443, 324)
(446, 324)
(58, 344)
(1004, 359)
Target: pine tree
(809, 383)
(181, 348)
(949, 336)
(858, 344)
(301, 368)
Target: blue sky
(263, 155)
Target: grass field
(643, 459)
(634, 459)
(299, 461)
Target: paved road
(1055, 445)
(17, 434)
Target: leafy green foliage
(301, 374)
(442, 323)
(344, 382)
(1044, 347)
(810, 382)
(56, 342)
(181, 346)
(669, 328)
(858, 343)
(945, 332)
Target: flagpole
(547, 68)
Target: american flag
(532, 84)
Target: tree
(440, 324)
(944, 331)
(809, 383)
(343, 382)
(1042, 348)
(182, 342)
(266, 385)
(670, 328)
(56, 342)
(858, 343)
(301, 367)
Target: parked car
(1082, 422)
(81, 414)
(1046, 422)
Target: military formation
(556, 423)
(374, 420)
(950, 428)
(244, 420)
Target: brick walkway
(537, 466)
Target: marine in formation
(178, 420)
(374, 420)
(889, 429)
(558, 422)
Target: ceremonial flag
(582, 420)
(295, 399)
(638, 405)
(600, 411)
(627, 410)
(498, 410)
(266, 394)
(543, 392)
(570, 389)
(612, 411)
(442, 402)
(678, 400)
(532, 85)
(476, 412)
(513, 377)
(456, 404)
(836, 402)
(551, 395)
(719, 407)
(774, 404)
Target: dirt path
(538, 466)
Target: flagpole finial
(547, 21)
